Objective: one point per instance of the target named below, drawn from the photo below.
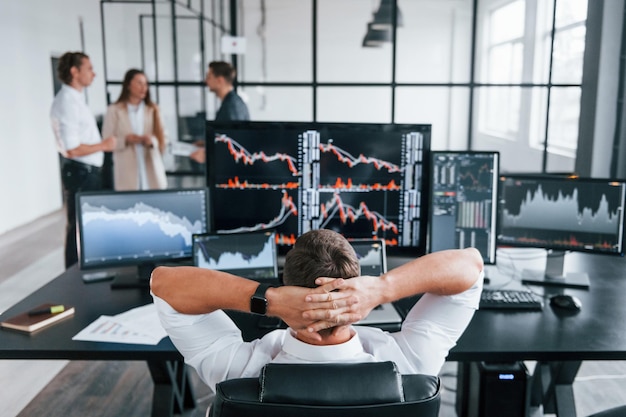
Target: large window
(504, 62)
(529, 61)
(567, 65)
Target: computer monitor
(372, 256)
(142, 228)
(252, 170)
(463, 202)
(361, 180)
(561, 214)
(249, 255)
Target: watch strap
(258, 301)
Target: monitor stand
(553, 275)
(139, 280)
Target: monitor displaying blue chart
(131, 228)
(250, 255)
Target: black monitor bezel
(138, 261)
(496, 192)
(425, 129)
(564, 178)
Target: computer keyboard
(510, 300)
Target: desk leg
(552, 387)
(173, 392)
(462, 389)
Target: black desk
(172, 392)
(594, 333)
(559, 341)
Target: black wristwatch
(258, 302)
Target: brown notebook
(28, 323)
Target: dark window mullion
(544, 162)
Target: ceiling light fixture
(379, 30)
(383, 18)
(376, 37)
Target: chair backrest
(366, 389)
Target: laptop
(373, 261)
(250, 255)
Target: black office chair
(364, 389)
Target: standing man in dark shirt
(219, 79)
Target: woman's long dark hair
(125, 94)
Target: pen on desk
(49, 310)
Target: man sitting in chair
(318, 304)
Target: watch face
(258, 305)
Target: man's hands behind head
(335, 302)
(363, 290)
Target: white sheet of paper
(142, 319)
(105, 329)
(139, 325)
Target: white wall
(31, 32)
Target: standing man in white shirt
(78, 140)
(318, 311)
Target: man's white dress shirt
(74, 124)
(212, 343)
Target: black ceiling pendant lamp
(383, 18)
(379, 30)
(376, 37)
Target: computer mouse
(565, 301)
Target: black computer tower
(493, 390)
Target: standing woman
(136, 121)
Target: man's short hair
(320, 253)
(223, 69)
(66, 62)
